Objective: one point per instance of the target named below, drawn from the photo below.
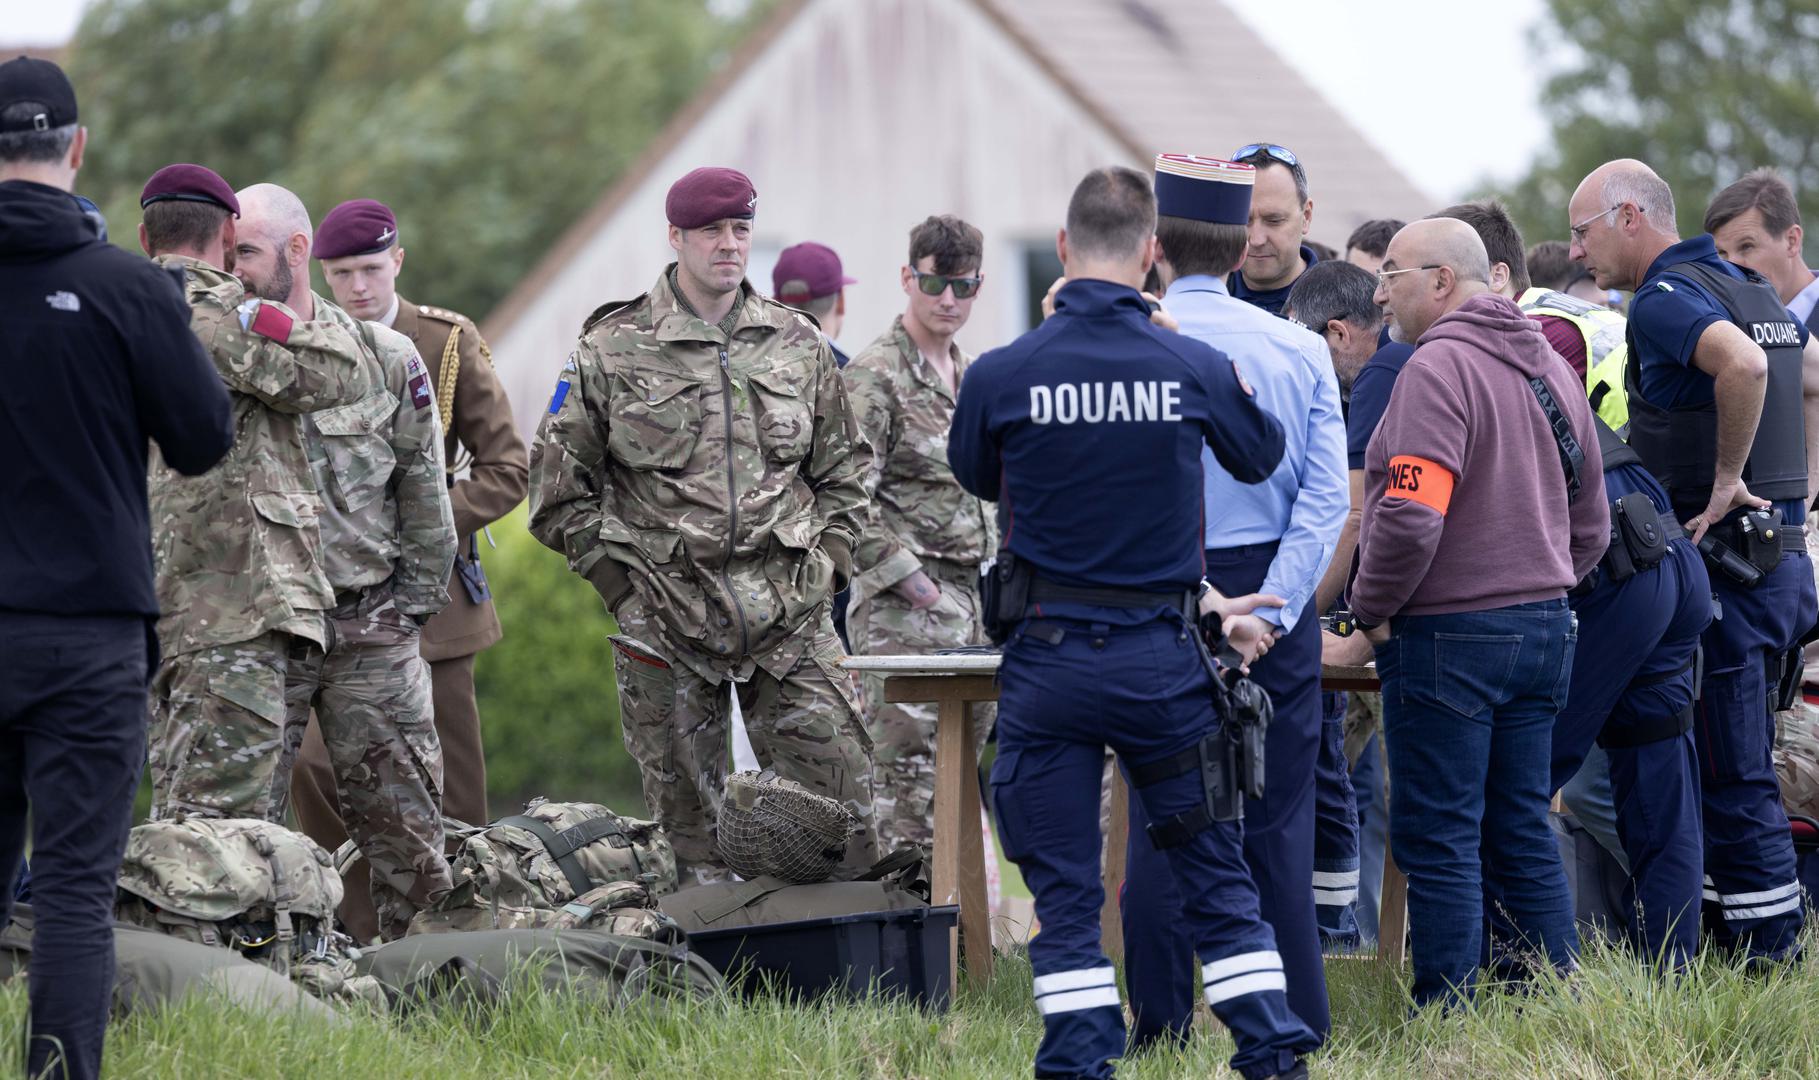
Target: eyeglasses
(1280, 153)
(936, 284)
(1578, 231)
(1383, 276)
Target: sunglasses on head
(936, 284)
(1280, 153)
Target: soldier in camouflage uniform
(917, 564)
(240, 578)
(701, 467)
(388, 539)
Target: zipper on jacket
(732, 503)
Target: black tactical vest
(1611, 447)
(1680, 446)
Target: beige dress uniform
(478, 432)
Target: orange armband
(1422, 480)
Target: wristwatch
(1363, 625)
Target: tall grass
(1610, 1020)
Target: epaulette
(609, 308)
(445, 315)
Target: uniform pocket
(654, 419)
(295, 509)
(786, 420)
(360, 458)
(797, 568)
(255, 688)
(1005, 807)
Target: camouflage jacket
(720, 477)
(918, 510)
(378, 461)
(236, 548)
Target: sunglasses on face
(936, 284)
(1279, 153)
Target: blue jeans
(1469, 702)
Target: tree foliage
(547, 697)
(488, 126)
(1701, 90)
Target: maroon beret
(709, 194)
(359, 227)
(807, 271)
(189, 183)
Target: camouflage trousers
(903, 735)
(371, 695)
(804, 725)
(217, 728)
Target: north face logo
(64, 300)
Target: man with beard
(388, 540)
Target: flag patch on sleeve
(271, 322)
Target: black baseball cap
(29, 81)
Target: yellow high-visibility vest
(1605, 349)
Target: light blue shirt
(1304, 502)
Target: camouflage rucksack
(251, 886)
(557, 864)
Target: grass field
(1609, 1021)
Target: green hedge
(547, 700)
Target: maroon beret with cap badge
(707, 195)
(357, 227)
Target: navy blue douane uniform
(96, 357)
(1087, 432)
(1632, 692)
(1752, 899)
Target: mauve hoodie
(1463, 406)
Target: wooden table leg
(1117, 834)
(1392, 919)
(975, 913)
(959, 855)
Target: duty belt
(1049, 592)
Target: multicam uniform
(240, 576)
(708, 480)
(476, 417)
(920, 518)
(388, 538)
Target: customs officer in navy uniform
(1087, 432)
(1719, 377)
(1273, 538)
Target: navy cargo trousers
(1070, 688)
(72, 746)
(1752, 899)
(1632, 672)
(1279, 835)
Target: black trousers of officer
(72, 746)
(1278, 838)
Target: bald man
(388, 546)
(1723, 386)
(1461, 587)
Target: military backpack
(557, 865)
(252, 886)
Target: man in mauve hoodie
(1469, 544)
